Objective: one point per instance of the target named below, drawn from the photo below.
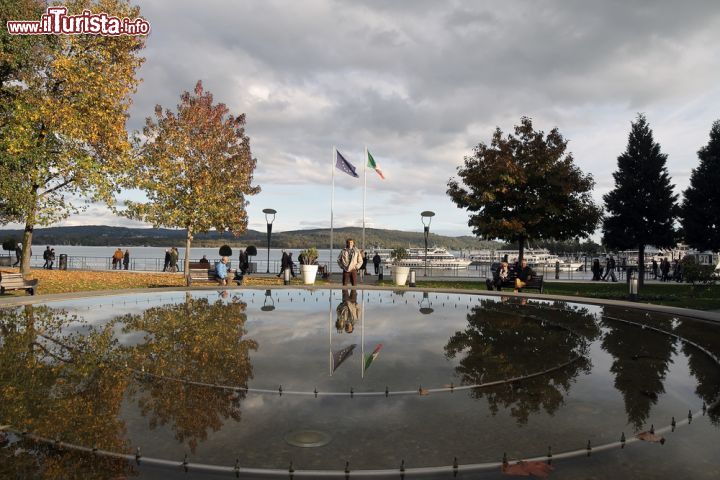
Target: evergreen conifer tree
(701, 205)
(642, 208)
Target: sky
(420, 83)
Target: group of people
(49, 257)
(120, 260)
(518, 274)
(171, 260)
(667, 271)
(597, 270)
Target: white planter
(309, 272)
(400, 274)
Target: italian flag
(369, 359)
(371, 163)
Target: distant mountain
(100, 235)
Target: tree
(196, 169)
(642, 208)
(700, 215)
(62, 125)
(525, 187)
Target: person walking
(126, 259)
(51, 258)
(174, 255)
(376, 262)
(350, 262)
(363, 266)
(18, 254)
(283, 263)
(291, 264)
(655, 269)
(596, 270)
(167, 260)
(46, 256)
(610, 269)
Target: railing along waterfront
(475, 271)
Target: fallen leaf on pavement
(650, 437)
(525, 469)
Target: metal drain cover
(308, 438)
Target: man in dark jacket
(524, 275)
(376, 262)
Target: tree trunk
(188, 241)
(521, 250)
(27, 240)
(641, 267)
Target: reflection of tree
(500, 342)
(199, 341)
(641, 361)
(63, 386)
(703, 368)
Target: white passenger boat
(437, 257)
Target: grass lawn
(65, 281)
(670, 294)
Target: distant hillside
(98, 235)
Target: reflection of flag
(345, 166)
(371, 163)
(341, 355)
(372, 356)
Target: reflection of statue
(64, 386)
(348, 312)
(500, 342)
(199, 341)
(640, 363)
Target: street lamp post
(268, 212)
(426, 228)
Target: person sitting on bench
(524, 274)
(221, 271)
(500, 275)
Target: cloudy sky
(420, 82)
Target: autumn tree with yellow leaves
(62, 123)
(195, 168)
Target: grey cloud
(421, 82)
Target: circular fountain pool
(329, 380)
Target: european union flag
(345, 166)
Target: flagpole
(364, 195)
(362, 336)
(330, 325)
(332, 209)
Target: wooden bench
(208, 275)
(535, 283)
(15, 281)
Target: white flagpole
(332, 205)
(362, 333)
(331, 327)
(364, 195)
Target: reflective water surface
(381, 377)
